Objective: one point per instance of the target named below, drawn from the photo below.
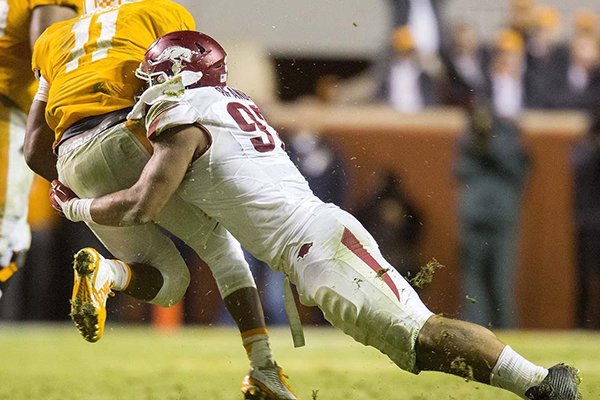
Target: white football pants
(112, 161)
(336, 265)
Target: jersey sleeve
(74, 4)
(39, 50)
(42, 53)
(168, 114)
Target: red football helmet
(184, 51)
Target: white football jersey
(245, 180)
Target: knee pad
(175, 283)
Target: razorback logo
(304, 250)
(176, 54)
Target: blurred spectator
(319, 160)
(546, 57)
(586, 165)
(585, 22)
(395, 223)
(424, 19)
(321, 163)
(410, 60)
(491, 168)
(579, 86)
(522, 15)
(506, 75)
(407, 87)
(466, 63)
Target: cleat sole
(84, 263)
(83, 313)
(86, 320)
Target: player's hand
(60, 195)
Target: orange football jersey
(90, 61)
(16, 80)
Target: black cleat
(561, 384)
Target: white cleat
(267, 383)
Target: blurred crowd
(429, 61)
(530, 62)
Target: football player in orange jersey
(21, 22)
(87, 86)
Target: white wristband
(79, 210)
(43, 89)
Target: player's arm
(45, 15)
(39, 138)
(174, 150)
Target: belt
(87, 128)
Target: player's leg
(108, 162)
(15, 182)
(224, 256)
(336, 266)
(150, 267)
(472, 351)
(360, 293)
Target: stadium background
(277, 50)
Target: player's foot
(267, 383)
(91, 287)
(561, 384)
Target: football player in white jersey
(214, 149)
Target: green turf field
(54, 363)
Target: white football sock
(256, 343)
(121, 274)
(516, 374)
